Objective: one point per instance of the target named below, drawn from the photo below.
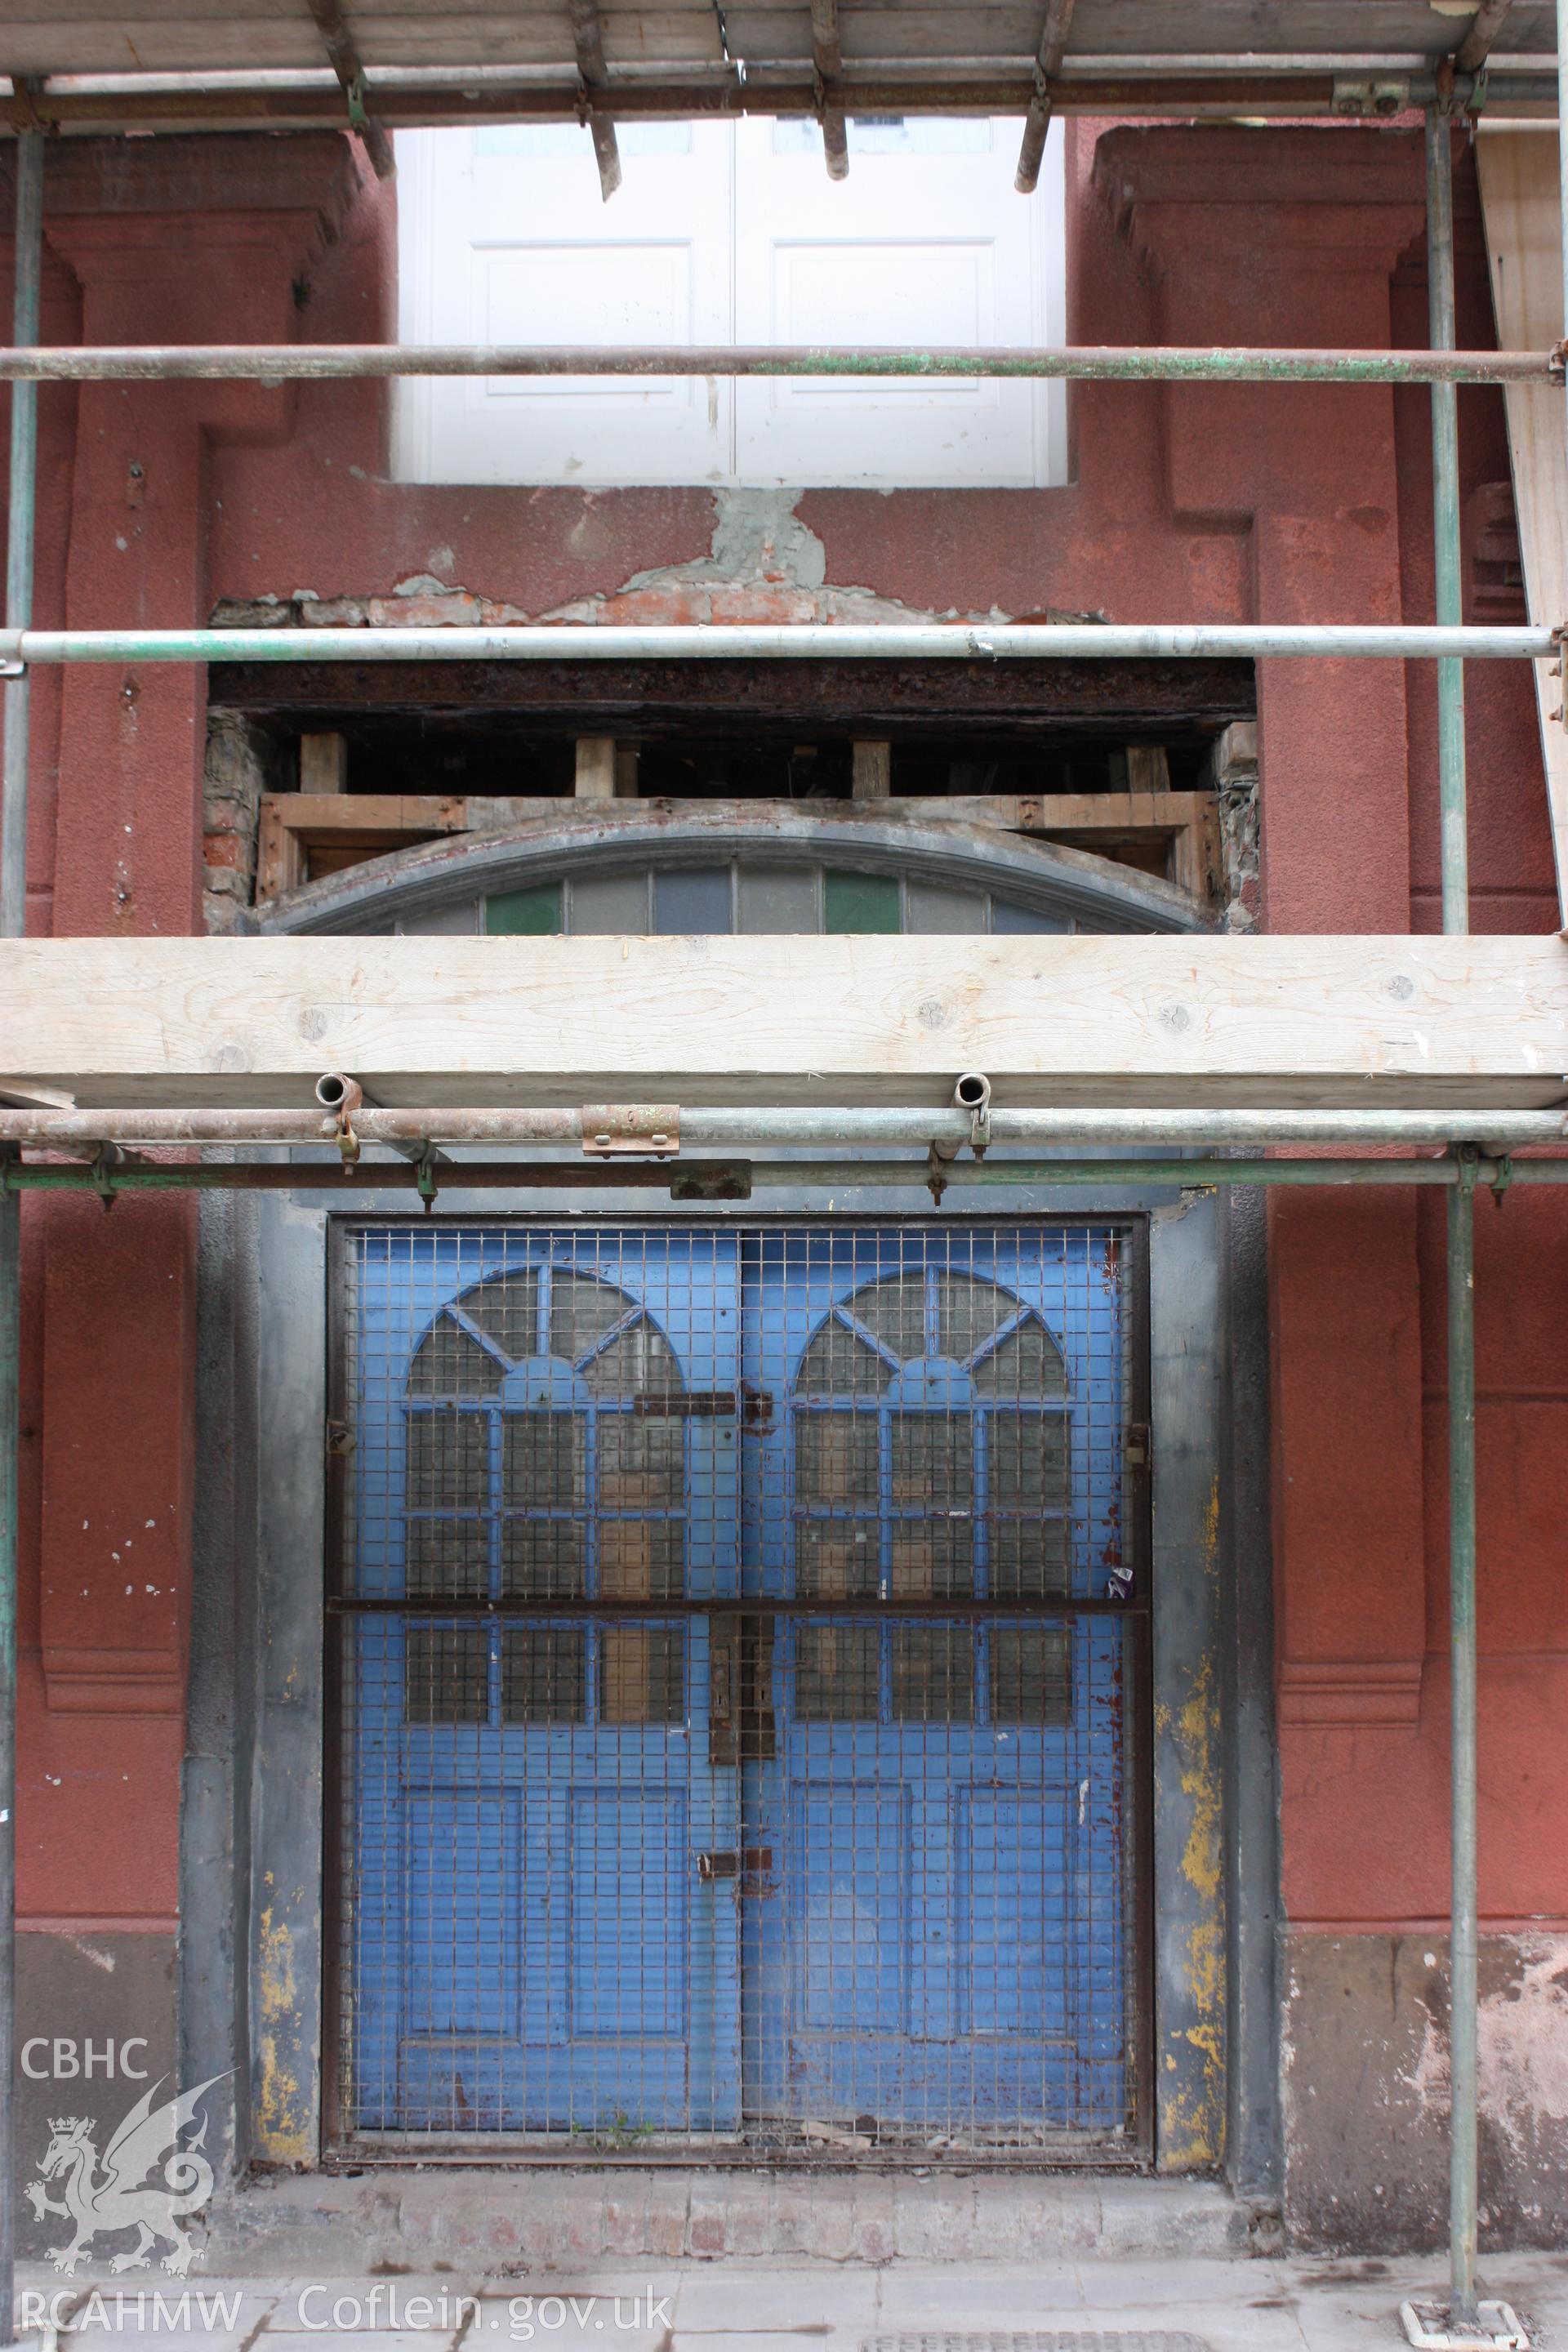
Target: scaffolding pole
(1446, 520)
(1463, 1972)
(1083, 364)
(28, 275)
(1464, 2316)
(718, 1179)
(961, 641)
(752, 1127)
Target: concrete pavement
(1205, 2305)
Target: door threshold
(717, 2150)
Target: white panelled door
(510, 244)
(926, 242)
(724, 233)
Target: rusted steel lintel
(1088, 363)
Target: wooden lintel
(304, 833)
(427, 812)
(1440, 1021)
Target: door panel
(946, 1800)
(926, 243)
(510, 244)
(618, 1867)
(540, 1419)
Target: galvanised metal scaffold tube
(30, 254)
(1460, 1261)
(1088, 364)
(109, 1177)
(863, 1128)
(791, 641)
(1446, 562)
(1463, 1952)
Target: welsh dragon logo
(123, 2195)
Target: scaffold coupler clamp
(105, 1160)
(425, 1175)
(939, 1158)
(342, 1096)
(973, 1094)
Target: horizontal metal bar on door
(764, 1127)
(695, 1179)
(1085, 363)
(799, 641)
(869, 1608)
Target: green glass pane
(526, 913)
(860, 902)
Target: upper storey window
(722, 234)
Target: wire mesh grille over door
(735, 1646)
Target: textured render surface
(1365, 2056)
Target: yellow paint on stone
(1194, 2119)
(283, 2107)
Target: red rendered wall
(1188, 503)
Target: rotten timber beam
(1462, 1023)
(817, 699)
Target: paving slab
(733, 2305)
(1040, 2296)
(383, 2340)
(569, 2322)
(726, 2297)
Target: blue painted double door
(846, 1870)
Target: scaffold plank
(1050, 1020)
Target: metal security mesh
(736, 1635)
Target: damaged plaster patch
(764, 565)
(1524, 2046)
(1523, 2055)
(1427, 2080)
(757, 535)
